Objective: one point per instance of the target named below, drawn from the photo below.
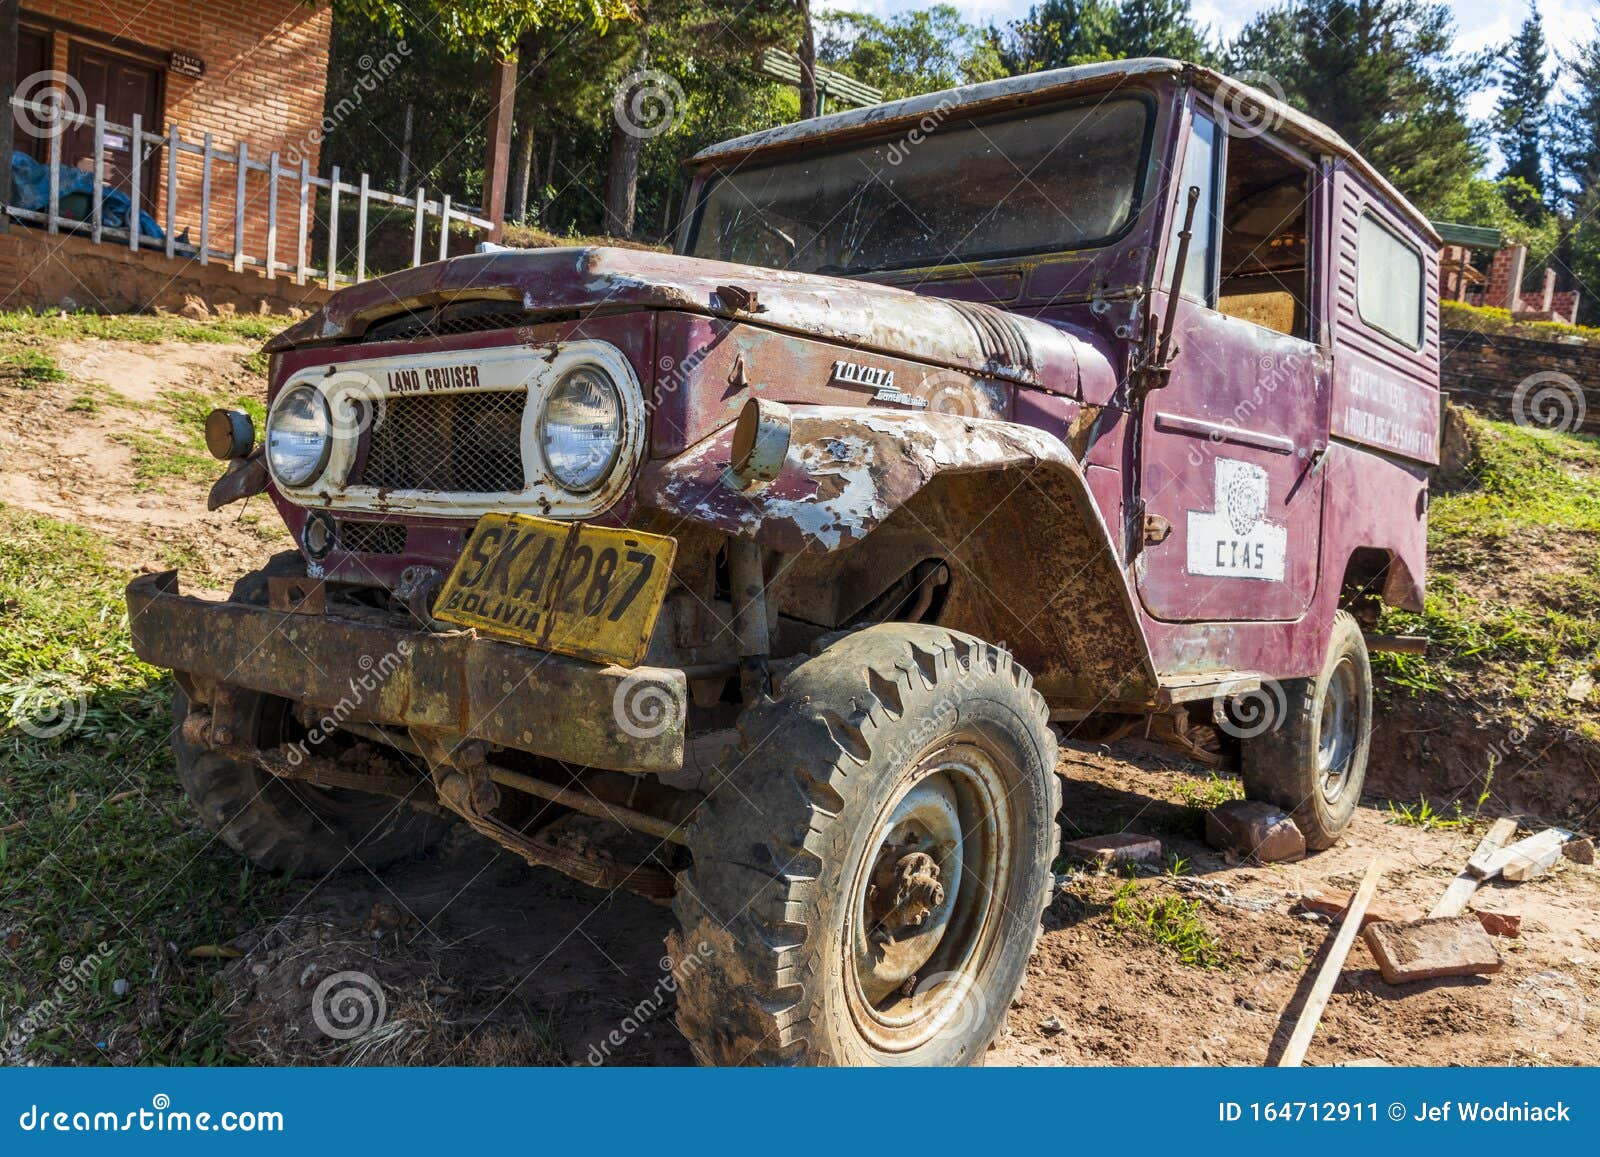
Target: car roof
(973, 98)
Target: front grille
(372, 537)
(460, 317)
(465, 442)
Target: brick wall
(65, 272)
(266, 65)
(1484, 371)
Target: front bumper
(457, 682)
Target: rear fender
(1032, 563)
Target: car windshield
(940, 194)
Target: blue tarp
(30, 189)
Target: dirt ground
(481, 959)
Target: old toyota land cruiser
(758, 577)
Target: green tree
(483, 26)
(1381, 73)
(1159, 28)
(925, 50)
(1522, 114)
(1058, 34)
(1577, 120)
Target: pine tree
(1382, 74)
(1522, 114)
(1059, 33)
(1159, 28)
(1577, 123)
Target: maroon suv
(752, 577)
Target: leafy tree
(483, 26)
(1577, 120)
(1381, 73)
(1058, 34)
(1522, 114)
(924, 50)
(1495, 204)
(1159, 28)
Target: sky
(1479, 23)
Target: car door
(1231, 447)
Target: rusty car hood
(960, 335)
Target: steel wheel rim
(1337, 729)
(909, 983)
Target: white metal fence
(214, 160)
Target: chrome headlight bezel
(279, 414)
(600, 468)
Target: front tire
(869, 873)
(1314, 762)
(290, 827)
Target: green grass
(1428, 818)
(97, 843)
(27, 368)
(1206, 794)
(1171, 921)
(1514, 577)
(1487, 319)
(136, 327)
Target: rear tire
(1313, 763)
(284, 826)
(870, 872)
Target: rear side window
(1389, 282)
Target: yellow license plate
(592, 592)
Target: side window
(1389, 282)
(1199, 169)
(1266, 238)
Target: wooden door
(33, 57)
(125, 87)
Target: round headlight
(581, 431)
(297, 436)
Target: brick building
(251, 70)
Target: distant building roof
(1468, 236)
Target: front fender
(847, 470)
(1006, 506)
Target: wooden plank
(242, 161)
(303, 236)
(1526, 858)
(361, 231)
(53, 210)
(1461, 889)
(135, 168)
(206, 155)
(416, 230)
(1311, 1015)
(98, 198)
(272, 216)
(10, 13)
(333, 230)
(172, 189)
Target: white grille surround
(360, 394)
